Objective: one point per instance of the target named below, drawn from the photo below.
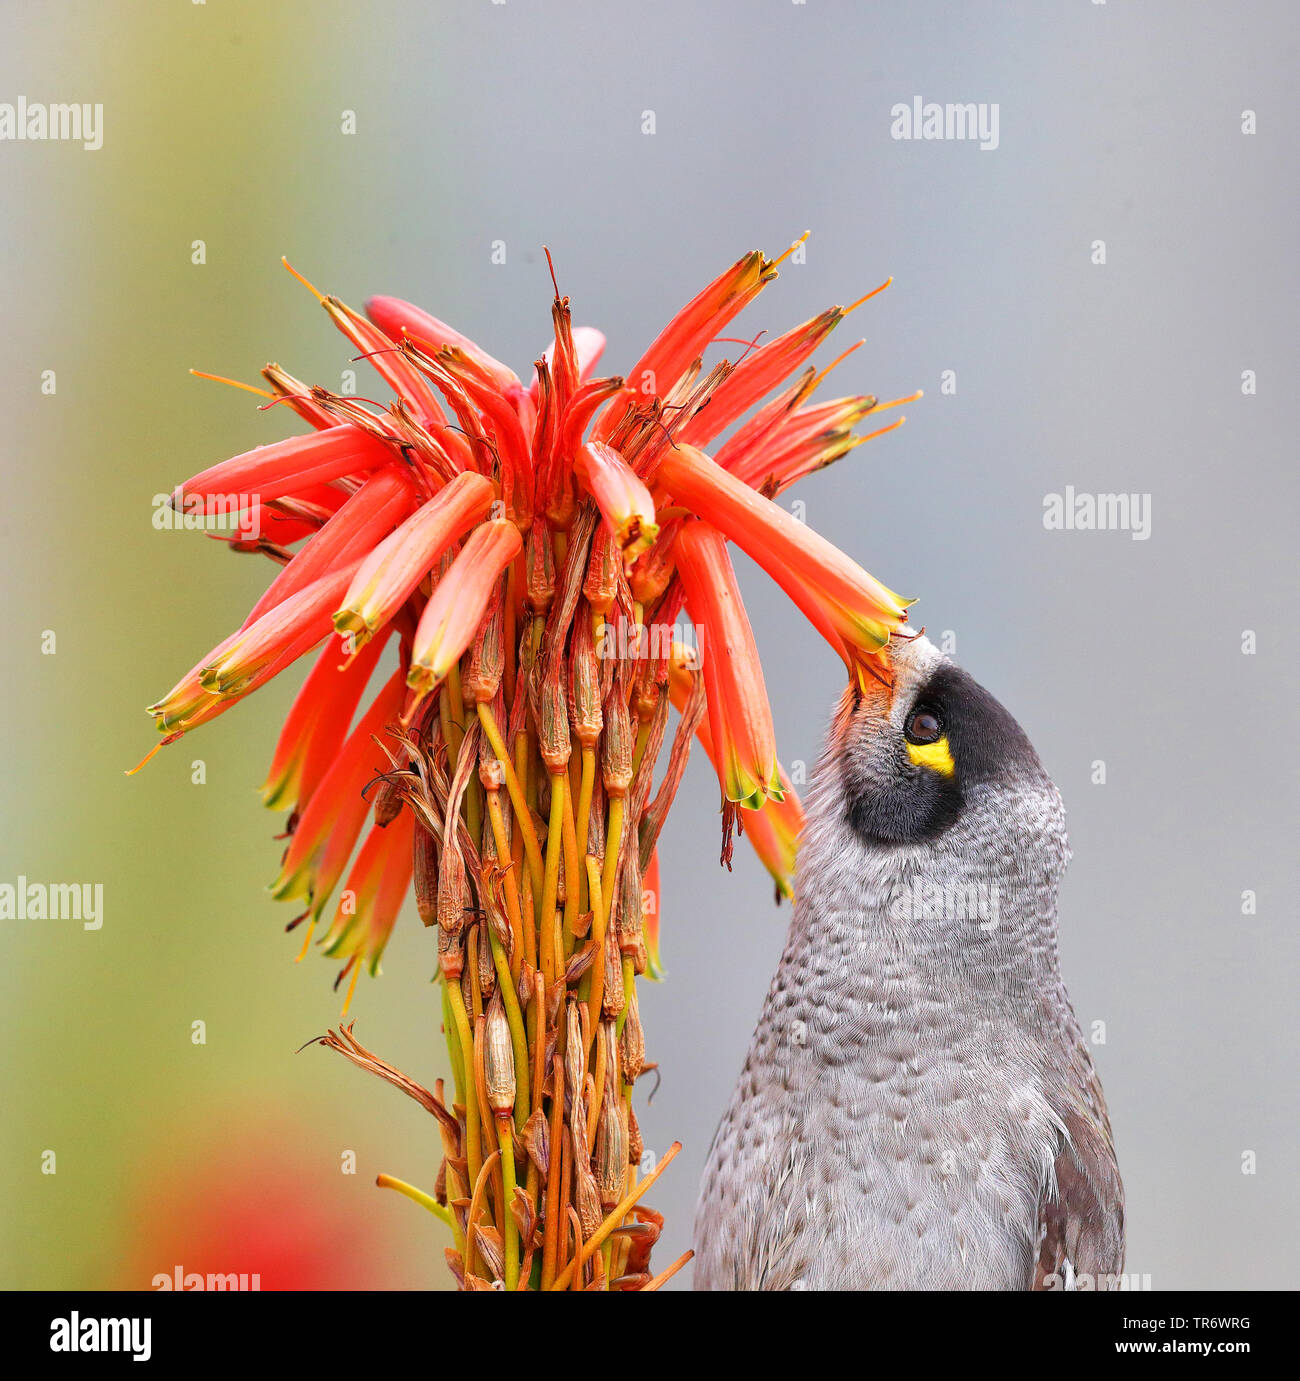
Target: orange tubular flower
(453, 614)
(622, 497)
(773, 830)
(389, 575)
(740, 718)
(852, 610)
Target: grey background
(522, 122)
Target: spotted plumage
(918, 1109)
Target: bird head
(928, 781)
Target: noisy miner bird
(918, 1109)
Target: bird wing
(1081, 1215)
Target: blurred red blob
(239, 1214)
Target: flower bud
(632, 1041)
(388, 802)
(588, 720)
(553, 740)
(499, 1059)
(487, 970)
(628, 919)
(647, 687)
(490, 771)
(453, 890)
(586, 1194)
(575, 1055)
(601, 583)
(539, 561)
(612, 996)
(537, 1141)
(608, 1037)
(611, 1152)
(492, 894)
(487, 658)
(426, 873)
(635, 1145)
(451, 955)
(618, 745)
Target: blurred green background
(521, 122)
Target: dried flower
(499, 1059)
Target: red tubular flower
(772, 830)
(329, 826)
(757, 375)
(808, 439)
(622, 497)
(399, 319)
(459, 601)
(286, 467)
(367, 517)
(294, 625)
(317, 724)
(588, 347)
(852, 609)
(389, 575)
(739, 716)
(373, 894)
(650, 897)
(686, 335)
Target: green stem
(420, 1197)
(473, 1145)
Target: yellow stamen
(352, 986)
(776, 263)
(838, 360)
(319, 296)
(131, 771)
(871, 436)
(866, 297)
(897, 402)
(234, 383)
(306, 941)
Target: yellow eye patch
(935, 756)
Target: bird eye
(923, 726)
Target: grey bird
(918, 1109)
